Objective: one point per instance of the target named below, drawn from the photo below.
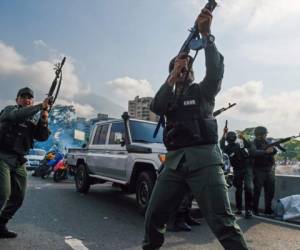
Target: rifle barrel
(276, 143)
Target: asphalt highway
(54, 216)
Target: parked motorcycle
(60, 171)
(46, 166)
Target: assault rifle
(56, 83)
(194, 41)
(277, 143)
(219, 111)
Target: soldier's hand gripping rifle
(56, 83)
(193, 42)
(221, 110)
(225, 130)
(277, 143)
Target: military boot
(178, 225)
(269, 213)
(192, 221)
(248, 214)
(5, 233)
(238, 212)
(182, 226)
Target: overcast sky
(119, 49)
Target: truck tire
(82, 181)
(144, 187)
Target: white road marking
(75, 243)
(43, 186)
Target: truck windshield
(143, 132)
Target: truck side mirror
(83, 145)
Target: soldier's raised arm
(214, 61)
(14, 113)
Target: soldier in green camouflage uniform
(194, 161)
(17, 131)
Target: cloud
(247, 96)
(253, 15)
(279, 112)
(272, 52)
(262, 32)
(40, 43)
(11, 61)
(82, 110)
(15, 71)
(4, 103)
(126, 88)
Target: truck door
(97, 148)
(116, 155)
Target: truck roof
(120, 120)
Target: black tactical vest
(16, 137)
(186, 126)
(239, 157)
(264, 161)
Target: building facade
(139, 108)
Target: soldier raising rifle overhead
(194, 161)
(18, 129)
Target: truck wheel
(82, 181)
(144, 187)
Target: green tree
(292, 151)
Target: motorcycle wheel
(59, 175)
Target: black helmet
(231, 136)
(25, 91)
(260, 130)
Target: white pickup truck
(121, 151)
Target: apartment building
(139, 108)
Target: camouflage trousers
(12, 190)
(264, 179)
(209, 188)
(243, 181)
